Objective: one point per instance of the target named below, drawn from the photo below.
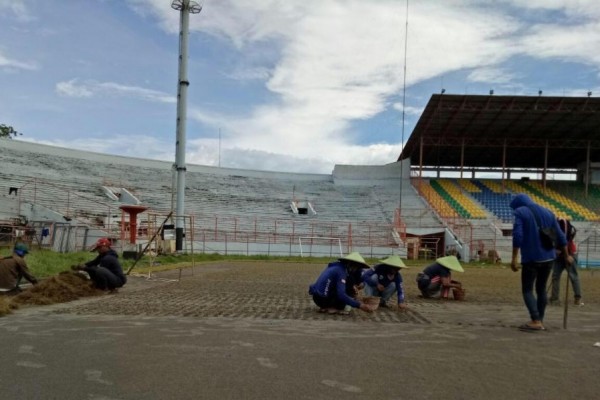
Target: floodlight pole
(185, 7)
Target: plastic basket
(459, 294)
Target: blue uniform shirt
(333, 278)
(382, 271)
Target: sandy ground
(250, 330)
(279, 290)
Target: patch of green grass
(44, 263)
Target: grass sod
(59, 284)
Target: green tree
(7, 131)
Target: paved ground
(250, 331)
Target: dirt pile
(4, 305)
(66, 286)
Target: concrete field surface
(249, 330)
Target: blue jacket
(525, 233)
(382, 271)
(110, 261)
(333, 277)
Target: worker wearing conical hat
(436, 279)
(385, 279)
(330, 291)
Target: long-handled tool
(139, 255)
(566, 299)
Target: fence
(70, 204)
(589, 251)
(88, 217)
(276, 236)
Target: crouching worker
(105, 270)
(385, 279)
(13, 269)
(436, 280)
(330, 291)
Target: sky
(277, 85)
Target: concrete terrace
(353, 203)
(242, 211)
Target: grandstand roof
(480, 127)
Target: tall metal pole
(185, 7)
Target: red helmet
(102, 242)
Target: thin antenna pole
(219, 147)
(403, 109)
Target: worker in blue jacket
(330, 291)
(435, 281)
(536, 259)
(105, 270)
(385, 279)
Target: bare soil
(279, 290)
(255, 328)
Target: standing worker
(537, 254)
(560, 265)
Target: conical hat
(394, 261)
(357, 258)
(450, 262)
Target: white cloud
(491, 75)
(577, 43)
(572, 35)
(294, 145)
(73, 89)
(87, 89)
(327, 65)
(261, 160)
(246, 74)
(408, 110)
(228, 154)
(10, 64)
(17, 8)
(340, 62)
(133, 145)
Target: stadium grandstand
(448, 192)
(469, 154)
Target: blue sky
(280, 85)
